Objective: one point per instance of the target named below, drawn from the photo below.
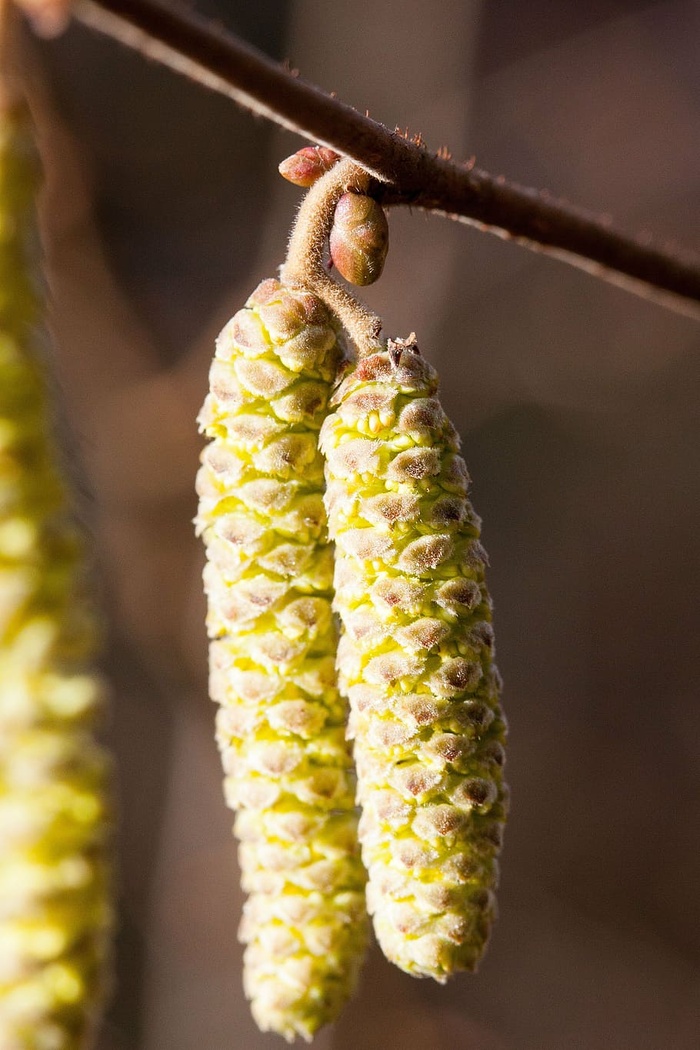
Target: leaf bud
(359, 239)
(307, 165)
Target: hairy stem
(305, 264)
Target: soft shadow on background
(578, 406)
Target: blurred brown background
(578, 405)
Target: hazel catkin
(281, 722)
(55, 906)
(416, 662)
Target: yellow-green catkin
(55, 914)
(281, 723)
(416, 662)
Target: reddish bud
(307, 165)
(359, 239)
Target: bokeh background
(578, 406)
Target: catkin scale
(55, 911)
(281, 720)
(416, 662)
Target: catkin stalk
(55, 914)
(281, 722)
(416, 662)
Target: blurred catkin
(416, 662)
(55, 914)
(281, 724)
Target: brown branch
(412, 175)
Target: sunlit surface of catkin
(281, 722)
(416, 661)
(55, 915)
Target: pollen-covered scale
(281, 722)
(416, 662)
(55, 912)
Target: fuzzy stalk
(416, 662)
(304, 266)
(55, 912)
(281, 721)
